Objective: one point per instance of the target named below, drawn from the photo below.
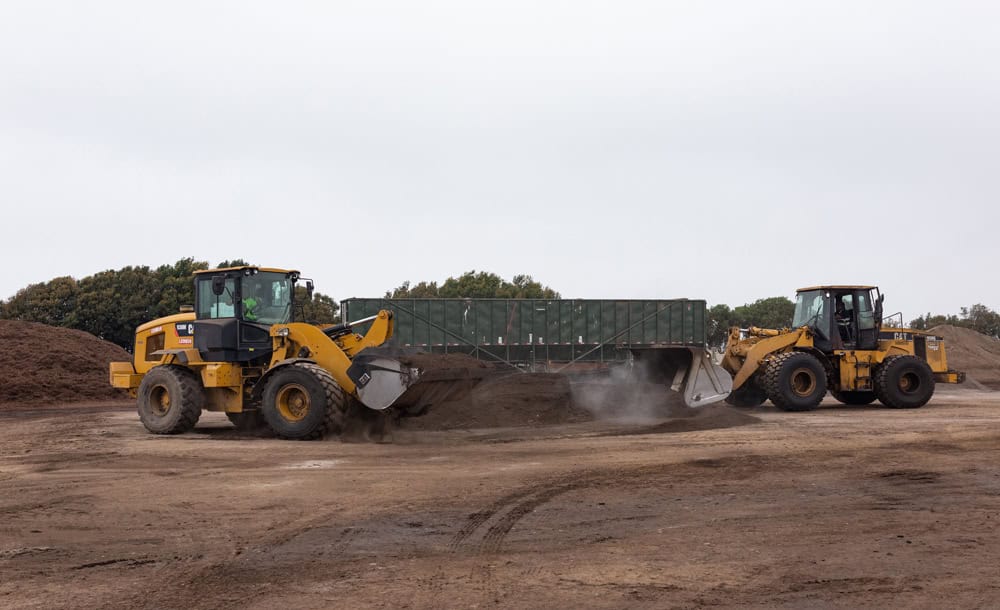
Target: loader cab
(235, 309)
(841, 317)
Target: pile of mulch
(710, 417)
(972, 352)
(513, 399)
(502, 398)
(47, 365)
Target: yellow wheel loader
(240, 352)
(838, 343)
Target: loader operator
(843, 317)
(250, 303)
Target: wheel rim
(293, 402)
(803, 382)
(909, 383)
(159, 400)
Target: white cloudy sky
(720, 150)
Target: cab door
(865, 320)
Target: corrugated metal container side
(528, 330)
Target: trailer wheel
(795, 381)
(862, 397)
(904, 382)
(169, 400)
(302, 401)
(750, 394)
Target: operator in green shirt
(250, 303)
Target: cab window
(865, 310)
(809, 310)
(272, 297)
(211, 306)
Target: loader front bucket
(380, 380)
(688, 370)
(383, 381)
(439, 385)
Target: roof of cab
(241, 268)
(837, 287)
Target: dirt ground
(839, 507)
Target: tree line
(473, 285)
(111, 304)
(979, 318)
(772, 312)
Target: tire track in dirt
(485, 531)
(480, 517)
(195, 582)
(503, 514)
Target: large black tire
(862, 397)
(302, 401)
(170, 399)
(795, 381)
(750, 394)
(904, 382)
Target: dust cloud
(627, 395)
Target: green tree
(525, 287)
(236, 262)
(423, 290)
(471, 285)
(112, 303)
(321, 309)
(772, 312)
(930, 321)
(176, 285)
(720, 320)
(51, 303)
(475, 285)
(982, 319)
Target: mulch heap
(972, 352)
(505, 398)
(48, 365)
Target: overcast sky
(728, 151)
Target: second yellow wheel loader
(839, 344)
(240, 352)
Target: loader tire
(170, 399)
(904, 382)
(795, 381)
(862, 397)
(302, 401)
(750, 394)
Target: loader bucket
(437, 386)
(380, 380)
(384, 381)
(688, 370)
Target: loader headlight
(282, 332)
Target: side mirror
(309, 289)
(218, 285)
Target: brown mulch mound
(514, 399)
(972, 352)
(46, 365)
